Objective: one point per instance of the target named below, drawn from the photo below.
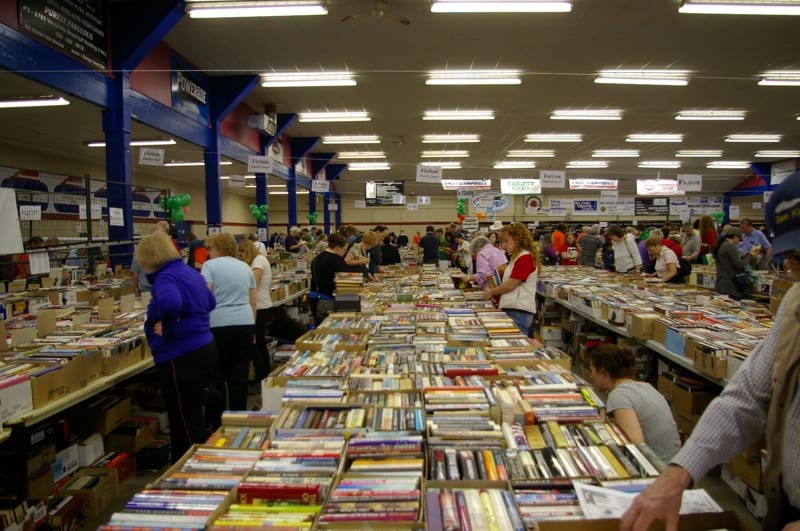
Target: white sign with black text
(259, 164)
(429, 174)
(552, 178)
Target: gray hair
(657, 233)
(478, 243)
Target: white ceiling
(557, 53)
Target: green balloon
(262, 218)
(163, 202)
(186, 199)
(177, 215)
(264, 209)
(173, 202)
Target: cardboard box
(748, 471)
(133, 435)
(15, 397)
(691, 401)
(90, 449)
(40, 484)
(98, 496)
(660, 331)
(41, 457)
(666, 386)
(117, 362)
(688, 522)
(684, 420)
(66, 462)
(104, 413)
(640, 325)
(123, 462)
(551, 333)
(154, 456)
(711, 365)
(47, 385)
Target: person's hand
(488, 294)
(660, 501)
(792, 526)
(157, 329)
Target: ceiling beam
(138, 27)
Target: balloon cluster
(175, 204)
(461, 208)
(259, 212)
(719, 217)
(312, 217)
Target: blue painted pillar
(213, 184)
(262, 198)
(291, 198)
(119, 172)
(312, 202)
(326, 213)
(338, 210)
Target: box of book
(123, 462)
(113, 363)
(691, 398)
(472, 505)
(97, 486)
(133, 435)
(711, 359)
(47, 383)
(15, 396)
(297, 419)
(102, 413)
(65, 513)
(328, 341)
(239, 436)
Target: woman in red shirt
(569, 255)
(708, 235)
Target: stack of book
(167, 508)
(210, 469)
(349, 282)
(359, 500)
(449, 508)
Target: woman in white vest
(517, 292)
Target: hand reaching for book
(660, 501)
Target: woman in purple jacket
(178, 332)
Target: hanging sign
(593, 184)
(658, 187)
(359, 203)
(321, 186)
(151, 156)
(690, 182)
(236, 181)
(781, 170)
(259, 164)
(650, 206)
(429, 174)
(734, 212)
(333, 207)
(115, 218)
(189, 90)
(520, 186)
(412, 206)
(552, 178)
(30, 213)
(609, 194)
(474, 184)
(533, 204)
(470, 223)
(585, 207)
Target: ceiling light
(678, 78)
(710, 114)
(554, 137)
(781, 78)
(699, 153)
(753, 138)
(660, 164)
(610, 153)
(368, 166)
(285, 192)
(308, 79)
(500, 6)
(654, 137)
(334, 116)
(514, 164)
(777, 154)
(361, 155)
(459, 115)
(351, 139)
(227, 177)
(178, 164)
(586, 114)
(473, 77)
(156, 142)
(444, 164)
(445, 153)
(281, 8)
(740, 7)
(22, 103)
(587, 164)
(447, 139)
(532, 153)
(728, 164)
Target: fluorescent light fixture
(24, 103)
(444, 164)
(368, 166)
(351, 139)
(586, 114)
(532, 153)
(740, 7)
(587, 164)
(334, 116)
(308, 79)
(781, 78)
(180, 164)
(676, 78)
(282, 8)
(473, 77)
(710, 114)
(227, 177)
(753, 138)
(432, 154)
(514, 164)
(654, 137)
(554, 137)
(500, 6)
(459, 115)
(448, 139)
(615, 153)
(699, 153)
(778, 154)
(361, 155)
(284, 192)
(728, 164)
(155, 142)
(666, 164)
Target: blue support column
(291, 198)
(300, 148)
(326, 215)
(262, 180)
(213, 185)
(338, 210)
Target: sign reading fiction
(189, 91)
(76, 28)
(381, 193)
(520, 186)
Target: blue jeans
(523, 320)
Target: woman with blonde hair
(232, 323)
(517, 292)
(179, 335)
(262, 272)
(357, 257)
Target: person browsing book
(637, 407)
(487, 259)
(517, 291)
(323, 274)
(761, 398)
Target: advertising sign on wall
(189, 90)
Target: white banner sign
(237, 181)
(423, 200)
(412, 206)
(321, 186)
(263, 235)
(781, 170)
(690, 182)
(593, 184)
(475, 184)
(734, 212)
(520, 186)
(609, 194)
(258, 164)
(429, 174)
(151, 156)
(115, 218)
(30, 213)
(360, 204)
(552, 178)
(470, 223)
(756, 206)
(333, 207)
(658, 187)
(620, 206)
